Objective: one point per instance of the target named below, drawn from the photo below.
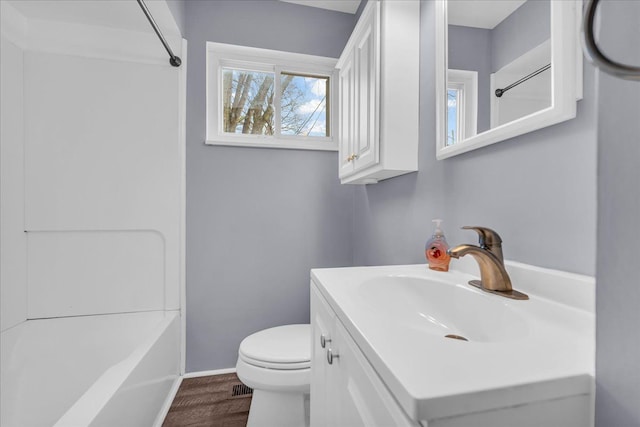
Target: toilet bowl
(276, 364)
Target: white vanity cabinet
(378, 93)
(345, 390)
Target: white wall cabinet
(345, 390)
(378, 94)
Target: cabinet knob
(352, 157)
(324, 339)
(331, 356)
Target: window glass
(303, 104)
(248, 102)
(453, 96)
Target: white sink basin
(517, 351)
(440, 308)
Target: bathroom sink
(444, 309)
(517, 351)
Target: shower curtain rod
(174, 60)
(499, 92)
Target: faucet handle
(488, 239)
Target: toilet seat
(281, 348)
(282, 380)
(275, 366)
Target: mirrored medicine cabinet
(504, 68)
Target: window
(265, 98)
(454, 96)
(462, 105)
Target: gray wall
(252, 236)
(537, 190)
(527, 27)
(178, 10)
(618, 290)
(257, 219)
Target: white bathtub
(106, 370)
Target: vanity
(408, 346)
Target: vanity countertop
(529, 351)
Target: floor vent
(241, 390)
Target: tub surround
(13, 244)
(89, 233)
(122, 226)
(543, 350)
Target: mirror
(503, 68)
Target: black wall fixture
(595, 55)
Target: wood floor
(213, 401)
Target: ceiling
(480, 13)
(126, 14)
(346, 6)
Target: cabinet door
(322, 321)
(358, 395)
(347, 128)
(366, 52)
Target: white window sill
(294, 144)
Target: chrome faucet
(493, 275)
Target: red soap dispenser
(436, 249)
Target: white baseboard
(208, 373)
(167, 402)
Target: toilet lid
(283, 347)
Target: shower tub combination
(92, 214)
(103, 370)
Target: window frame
(221, 55)
(466, 83)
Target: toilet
(276, 364)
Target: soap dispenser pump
(436, 249)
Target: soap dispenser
(436, 249)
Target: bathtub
(105, 370)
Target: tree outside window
(248, 103)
